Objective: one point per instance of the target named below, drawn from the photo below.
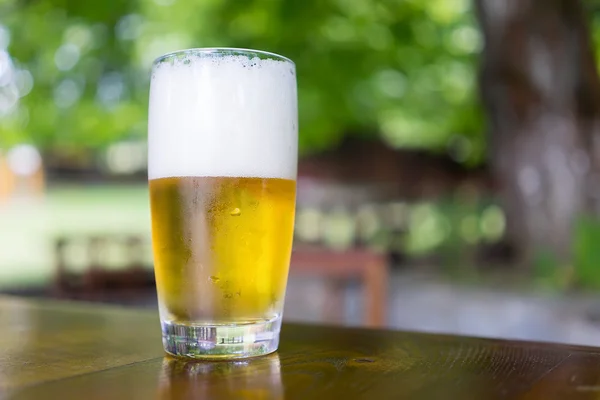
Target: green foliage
(587, 252)
(584, 272)
(81, 75)
(402, 69)
(549, 274)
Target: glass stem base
(205, 341)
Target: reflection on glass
(258, 378)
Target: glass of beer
(222, 166)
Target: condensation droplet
(236, 212)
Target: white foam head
(222, 115)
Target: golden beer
(222, 247)
(222, 167)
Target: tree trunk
(541, 91)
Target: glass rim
(222, 51)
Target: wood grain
(47, 341)
(92, 356)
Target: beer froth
(227, 116)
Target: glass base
(212, 342)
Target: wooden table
(70, 351)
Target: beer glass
(222, 166)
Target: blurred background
(452, 145)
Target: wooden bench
(96, 282)
(370, 268)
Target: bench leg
(376, 276)
(334, 302)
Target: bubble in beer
(236, 212)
